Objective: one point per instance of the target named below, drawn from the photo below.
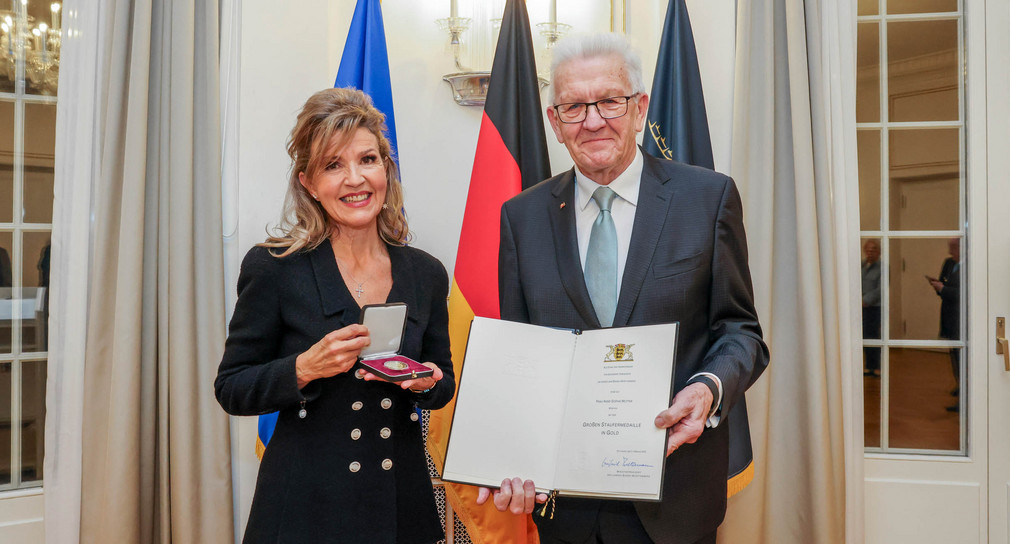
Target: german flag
(511, 156)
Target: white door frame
(945, 498)
(998, 191)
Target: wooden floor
(920, 385)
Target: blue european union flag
(267, 422)
(677, 123)
(364, 65)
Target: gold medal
(395, 365)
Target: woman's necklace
(370, 264)
(359, 289)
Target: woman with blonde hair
(346, 461)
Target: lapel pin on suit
(562, 206)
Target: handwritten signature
(623, 462)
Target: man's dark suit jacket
(687, 263)
(950, 300)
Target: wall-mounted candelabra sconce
(471, 44)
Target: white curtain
(138, 311)
(794, 154)
(76, 168)
(231, 41)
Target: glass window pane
(923, 401)
(868, 142)
(5, 423)
(871, 411)
(35, 282)
(6, 295)
(924, 179)
(868, 7)
(42, 49)
(6, 161)
(922, 74)
(921, 6)
(35, 269)
(33, 419)
(868, 73)
(870, 275)
(925, 286)
(40, 146)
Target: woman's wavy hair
(326, 123)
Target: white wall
(284, 58)
(286, 55)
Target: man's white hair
(589, 46)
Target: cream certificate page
(510, 403)
(621, 379)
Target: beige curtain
(154, 446)
(794, 155)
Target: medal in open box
(386, 324)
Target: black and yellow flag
(677, 123)
(678, 130)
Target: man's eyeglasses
(608, 108)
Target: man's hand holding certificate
(578, 411)
(686, 417)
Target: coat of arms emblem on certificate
(619, 353)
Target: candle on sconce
(35, 42)
(44, 35)
(554, 11)
(9, 27)
(55, 7)
(10, 38)
(453, 9)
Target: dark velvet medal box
(386, 324)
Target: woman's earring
(315, 196)
(385, 206)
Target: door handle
(1002, 346)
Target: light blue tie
(601, 259)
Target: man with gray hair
(627, 239)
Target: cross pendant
(359, 290)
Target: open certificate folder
(571, 410)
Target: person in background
(870, 272)
(948, 288)
(6, 270)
